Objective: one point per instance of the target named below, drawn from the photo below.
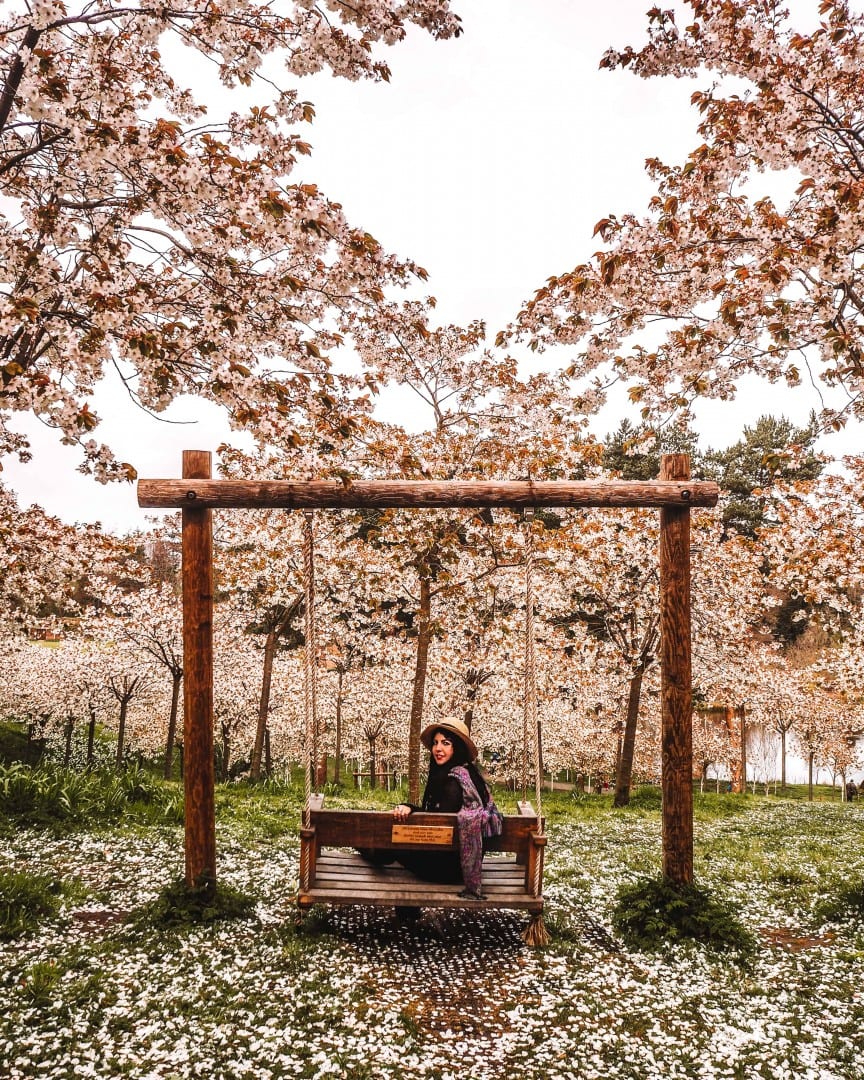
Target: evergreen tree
(633, 452)
(770, 451)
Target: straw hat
(456, 727)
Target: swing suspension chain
(309, 658)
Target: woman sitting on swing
(454, 786)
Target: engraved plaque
(422, 834)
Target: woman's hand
(401, 812)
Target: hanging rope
(528, 700)
(536, 933)
(309, 660)
(530, 728)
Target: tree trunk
(263, 705)
(743, 720)
(121, 732)
(91, 738)
(373, 779)
(810, 758)
(736, 782)
(268, 757)
(336, 763)
(628, 744)
(67, 753)
(783, 758)
(226, 751)
(176, 678)
(424, 635)
(676, 682)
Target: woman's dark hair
(438, 773)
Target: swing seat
(330, 874)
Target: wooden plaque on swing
(422, 834)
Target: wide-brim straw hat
(455, 727)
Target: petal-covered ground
(356, 994)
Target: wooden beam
(676, 694)
(198, 769)
(307, 494)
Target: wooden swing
(330, 874)
(197, 494)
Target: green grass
(15, 746)
(25, 900)
(846, 901)
(230, 978)
(59, 798)
(178, 906)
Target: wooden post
(198, 772)
(676, 681)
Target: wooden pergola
(197, 495)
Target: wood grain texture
(340, 876)
(345, 878)
(198, 769)
(373, 829)
(298, 494)
(676, 693)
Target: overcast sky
(488, 160)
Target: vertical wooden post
(198, 773)
(676, 681)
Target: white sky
(487, 160)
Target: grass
(26, 899)
(16, 746)
(846, 902)
(178, 906)
(134, 976)
(55, 797)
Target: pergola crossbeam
(417, 494)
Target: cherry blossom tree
(146, 234)
(152, 621)
(778, 707)
(712, 746)
(724, 275)
(49, 569)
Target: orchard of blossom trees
(140, 232)
(110, 687)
